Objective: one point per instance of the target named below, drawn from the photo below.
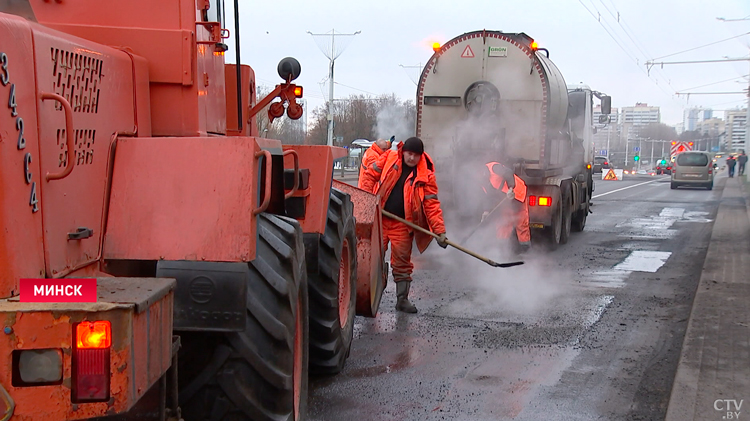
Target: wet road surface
(590, 331)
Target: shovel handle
(409, 224)
(484, 219)
(450, 243)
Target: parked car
(693, 169)
(600, 163)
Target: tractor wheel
(333, 289)
(260, 373)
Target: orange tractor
(129, 153)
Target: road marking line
(624, 188)
(644, 261)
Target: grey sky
(401, 32)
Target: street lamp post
(639, 152)
(609, 129)
(627, 145)
(651, 161)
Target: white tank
(492, 93)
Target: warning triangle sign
(468, 52)
(610, 175)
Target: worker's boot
(402, 297)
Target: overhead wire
(634, 59)
(627, 29)
(702, 46)
(634, 39)
(715, 83)
(356, 89)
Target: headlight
(35, 367)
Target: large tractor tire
(260, 373)
(333, 288)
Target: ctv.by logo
(729, 406)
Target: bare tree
(361, 116)
(689, 135)
(261, 118)
(658, 131)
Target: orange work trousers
(401, 239)
(514, 216)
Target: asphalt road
(590, 331)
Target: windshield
(692, 160)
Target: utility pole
(609, 130)
(627, 145)
(652, 153)
(639, 151)
(332, 56)
(747, 112)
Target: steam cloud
(394, 120)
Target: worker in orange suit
(405, 180)
(502, 182)
(371, 156)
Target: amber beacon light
(93, 335)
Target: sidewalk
(350, 177)
(713, 375)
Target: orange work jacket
(498, 182)
(369, 157)
(421, 204)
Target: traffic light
(636, 158)
(664, 162)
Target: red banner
(58, 290)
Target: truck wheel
(333, 288)
(260, 373)
(567, 216)
(673, 185)
(579, 220)
(554, 232)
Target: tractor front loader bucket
(372, 271)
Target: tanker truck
(491, 96)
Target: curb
(713, 373)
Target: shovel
(484, 219)
(452, 244)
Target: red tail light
(532, 200)
(545, 201)
(91, 374)
(606, 163)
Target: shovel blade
(507, 265)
